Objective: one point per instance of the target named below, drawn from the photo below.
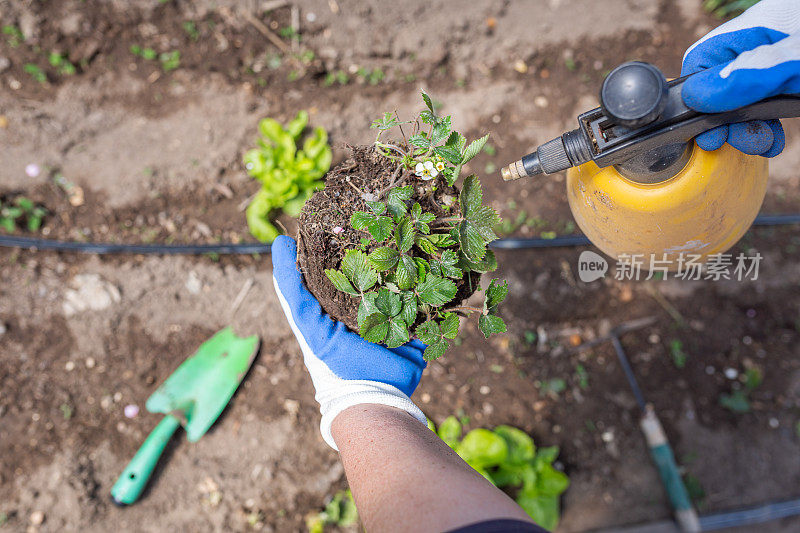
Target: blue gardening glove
(346, 370)
(752, 57)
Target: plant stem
(467, 308)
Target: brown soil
(113, 127)
(366, 172)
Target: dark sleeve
(500, 526)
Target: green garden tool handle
(134, 478)
(668, 470)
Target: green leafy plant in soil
(508, 457)
(340, 511)
(405, 268)
(21, 211)
(288, 175)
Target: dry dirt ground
(157, 155)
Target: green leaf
(340, 281)
(544, 510)
(404, 234)
(441, 240)
(551, 482)
(409, 311)
(429, 332)
(427, 117)
(475, 147)
(489, 324)
(435, 351)
(456, 141)
(449, 154)
(546, 455)
(487, 264)
(406, 273)
(428, 102)
(375, 327)
(384, 258)
(424, 244)
(397, 199)
(388, 302)
(473, 245)
(445, 266)
(357, 268)
(423, 267)
(450, 431)
(436, 291)
(379, 227)
(398, 333)
(737, 402)
(386, 122)
(441, 131)
(378, 208)
(521, 449)
(420, 141)
(366, 307)
(449, 325)
(513, 475)
(496, 292)
(483, 448)
(471, 196)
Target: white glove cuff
(351, 393)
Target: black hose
(512, 243)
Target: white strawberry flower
(440, 166)
(426, 170)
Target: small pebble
(541, 101)
(90, 362)
(607, 436)
(496, 119)
(3, 328)
(121, 427)
(751, 313)
(35, 417)
(747, 340)
(520, 66)
(36, 518)
(731, 373)
(70, 366)
(426, 398)
(117, 396)
(105, 402)
(131, 411)
(311, 16)
(32, 170)
(774, 423)
(709, 370)
(556, 429)
(338, 229)
(654, 338)
(485, 390)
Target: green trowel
(193, 396)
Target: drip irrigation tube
(512, 243)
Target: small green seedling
(21, 210)
(191, 30)
(340, 512)
(35, 72)
(408, 280)
(728, 8)
(738, 401)
(14, 35)
(288, 176)
(508, 458)
(678, 355)
(61, 64)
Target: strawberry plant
(288, 175)
(21, 210)
(409, 262)
(508, 458)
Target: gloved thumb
(765, 71)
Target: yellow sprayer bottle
(639, 186)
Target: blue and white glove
(752, 57)
(346, 370)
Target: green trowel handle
(134, 478)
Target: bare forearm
(404, 478)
